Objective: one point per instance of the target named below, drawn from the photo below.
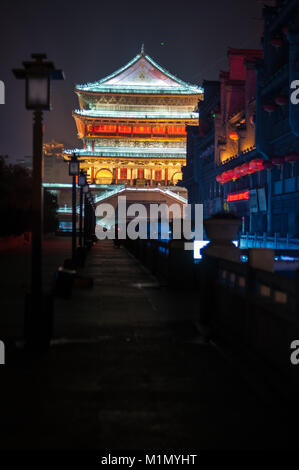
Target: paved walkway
(127, 370)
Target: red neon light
(105, 129)
(140, 173)
(123, 173)
(178, 130)
(124, 129)
(142, 130)
(238, 197)
(159, 130)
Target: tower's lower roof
(130, 152)
(96, 113)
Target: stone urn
(222, 229)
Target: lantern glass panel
(74, 168)
(82, 180)
(38, 92)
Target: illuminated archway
(104, 176)
(178, 176)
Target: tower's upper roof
(141, 75)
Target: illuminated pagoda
(132, 125)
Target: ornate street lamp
(74, 166)
(38, 74)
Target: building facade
(277, 119)
(247, 159)
(133, 125)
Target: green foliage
(15, 201)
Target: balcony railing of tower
(107, 129)
(136, 114)
(148, 152)
(170, 90)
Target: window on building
(158, 175)
(123, 173)
(140, 173)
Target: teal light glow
(121, 189)
(130, 152)
(178, 87)
(62, 185)
(134, 114)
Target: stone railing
(250, 309)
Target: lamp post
(74, 167)
(82, 182)
(38, 74)
(85, 190)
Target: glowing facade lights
(135, 118)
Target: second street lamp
(38, 75)
(82, 183)
(85, 190)
(74, 167)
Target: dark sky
(90, 39)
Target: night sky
(91, 39)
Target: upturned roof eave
(190, 89)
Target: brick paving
(127, 369)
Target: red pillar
(131, 181)
(166, 176)
(92, 175)
(151, 177)
(115, 175)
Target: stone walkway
(128, 370)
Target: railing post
(181, 265)
(209, 272)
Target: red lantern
(233, 135)
(230, 175)
(244, 169)
(269, 107)
(225, 177)
(237, 171)
(268, 165)
(256, 165)
(276, 42)
(282, 100)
